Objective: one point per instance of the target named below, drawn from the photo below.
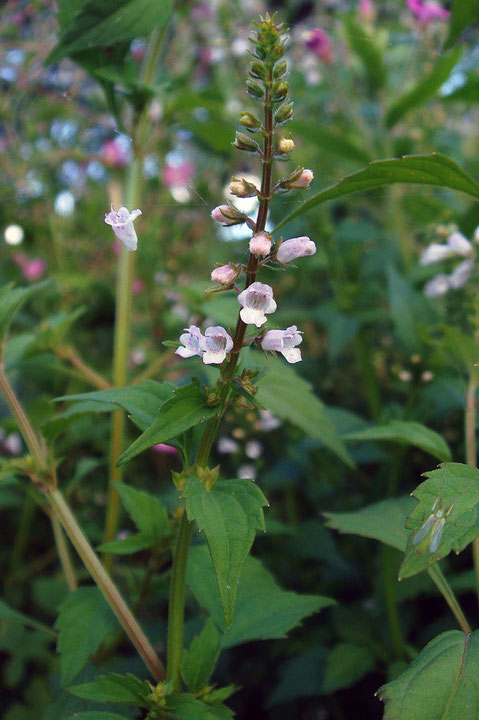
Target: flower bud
(318, 42)
(280, 69)
(228, 215)
(299, 179)
(295, 248)
(283, 114)
(243, 142)
(242, 188)
(260, 244)
(257, 70)
(285, 145)
(254, 89)
(280, 90)
(224, 275)
(250, 122)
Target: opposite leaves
(229, 513)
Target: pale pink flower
(178, 174)
(214, 345)
(115, 153)
(461, 274)
(257, 301)
(138, 286)
(285, 342)
(301, 182)
(163, 449)
(318, 42)
(367, 10)
(435, 252)
(34, 269)
(436, 287)
(427, 12)
(122, 225)
(260, 244)
(459, 244)
(190, 341)
(224, 275)
(227, 215)
(295, 248)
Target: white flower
(122, 225)
(268, 421)
(284, 341)
(190, 341)
(436, 287)
(459, 245)
(215, 344)
(461, 274)
(257, 300)
(295, 248)
(227, 445)
(435, 253)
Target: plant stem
(471, 454)
(25, 525)
(124, 284)
(390, 583)
(105, 584)
(68, 353)
(64, 554)
(447, 592)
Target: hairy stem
(64, 554)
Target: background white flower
(122, 225)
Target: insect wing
(423, 530)
(437, 534)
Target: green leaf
(8, 614)
(425, 89)
(184, 410)
(83, 623)
(456, 488)
(441, 684)
(142, 401)
(462, 348)
(345, 665)
(98, 715)
(263, 610)
(12, 299)
(200, 659)
(127, 546)
(109, 23)
(146, 511)
(406, 306)
(229, 513)
(434, 169)
(464, 13)
(363, 45)
(408, 433)
(114, 688)
(382, 521)
(290, 397)
(329, 140)
(187, 707)
(468, 93)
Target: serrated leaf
(200, 659)
(8, 614)
(109, 23)
(146, 511)
(229, 513)
(409, 433)
(114, 688)
(363, 45)
(263, 610)
(184, 410)
(290, 397)
(463, 14)
(455, 487)
(141, 401)
(434, 169)
(83, 623)
(382, 521)
(441, 684)
(187, 707)
(425, 89)
(12, 299)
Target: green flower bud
(280, 69)
(257, 70)
(254, 89)
(280, 90)
(243, 142)
(283, 114)
(250, 122)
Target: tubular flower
(215, 344)
(285, 342)
(224, 275)
(260, 244)
(257, 301)
(190, 341)
(122, 225)
(295, 248)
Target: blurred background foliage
(376, 347)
